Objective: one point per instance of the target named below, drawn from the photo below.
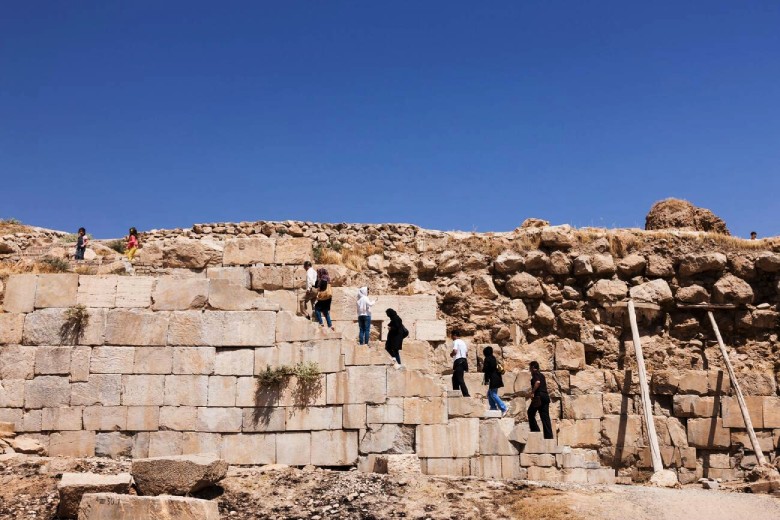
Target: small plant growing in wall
(76, 321)
(306, 373)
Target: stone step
(536, 443)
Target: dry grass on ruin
(543, 504)
(354, 258)
(22, 267)
(9, 226)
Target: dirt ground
(28, 489)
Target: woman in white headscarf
(364, 305)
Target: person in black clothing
(540, 402)
(494, 380)
(81, 243)
(396, 332)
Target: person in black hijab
(396, 332)
(540, 402)
(494, 380)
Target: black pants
(544, 413)
(459, 367)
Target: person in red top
(132, 244)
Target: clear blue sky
(449, 115)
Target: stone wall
(168, 363)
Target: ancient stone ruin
(175, 359)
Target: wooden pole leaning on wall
(738, 391)
(652, 436)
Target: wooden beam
(707, 306)
(737, 390)
(655, 451)
(637, 305)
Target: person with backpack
(324, 297)
(396, 332)
(460, 364)
(493, 370)
(540, 402)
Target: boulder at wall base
(73, 486)
(192, 254)
(110, 506)
(177, 475)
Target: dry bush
(9, 226)
(354, 260)
(329, 256)
(543, 505)
(44, 266)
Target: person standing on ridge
(310, 294)
(540, 402)
(81, 244)
(364, 305)
(131, 248)
(460, 364)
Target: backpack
(500, 367)
(404, 332)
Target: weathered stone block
(357, 384)
(586, 382)
(48, 391)
(402, 382)
(79, 363)
(264, 419)
(218, 420)
(569, 355)
(771, 412)
(165, 444)
(585, 433)
(708, 434)
(177, 475)
(255, 448)
(425, 410)
(73, 486)
(446, 466)
(17, 362)
(285, 299)
(143, 418)
(623, 430)
(334, 448)
(426, 330)
(136, 327)
(153, 360)
(113, 445)
(222, 391)
(227, 296)
(314, 418)
(459, 406)
(292, 250)
(20, 293)
(146, 390)
(293, 449)
(458, 438)
(247, 392)
(199, 443)
(186, 390)
(694, 406)
(494, 437)
(104, 389)
(290, 327)
(583, 406)
(112, 360)
(11, 327)
(106, 506)
(249, 251)
(72, 444)
(240, 328)
(327, 355)
(767, 440)
(179, 294)
(544, 474)
(64, 418)
(234, 275)
(354, 416)
(732, 415)
(105, 418)
(693, 382)
(134, 291)
(97, 291)
(52, 360)
(178, 418)
(56, 290)
(234, 361)
(194, 360)
(11, 393)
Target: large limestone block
(52, 327)
(105, 418)
(655, 291)
(419, 307)
(227, 296)
(178, 294)
(234, 275)
(391, 411)
(72, 486)
(178, 418)
(134, 291)
(53, 360)
(585, 382)
(153, 360)
(622, 430)
(197, 443)
(458, 438)
(354, 416)
(587, 406)
(290, 327)
(358, 384)
(79, 364)
(701, 263)
(106, 506)
(11, 393)
(313, 418)
(767, 440)
(334, 448)
(136, 327)
(20, 293)
(239, 329)
(292, 250)
(194, 360)
(425, 410)
(112, 360)
(219, 420)
(732, 415)
(275, 278)
(145, 390)
(249, 251)
(446, 466)
(11, 327)
(569, 355)
(386, 438)
(65, 418)
(426, 330)
(708, 433)
(113, 445)
(97, 291)
(179, 475)
(355, 354)
(102, 389)
(192, 254)
(265, 419)
(253, 448)
(771, 412)
(693, 406)
(465, 407)
(293, 449)
(524, 285)
(402, 382)
(234, 361)
(143, 418)
(768, 262)
(327, 355)
(56, 290)
(165, 444)
(285, 299)
(494, 437)
(186, 390)
(17, 362)
(46, 391)
(72, 444)
(584, 433)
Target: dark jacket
(492, 378)
(395, 332)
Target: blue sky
(449, 115)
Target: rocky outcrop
(180, 475)
(681, 214)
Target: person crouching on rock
(494, 380)
(396, 332)
(324, 297)
(364, 305)
(540, 402)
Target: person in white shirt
(460, 364)
(310, 294)
(364, 305)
